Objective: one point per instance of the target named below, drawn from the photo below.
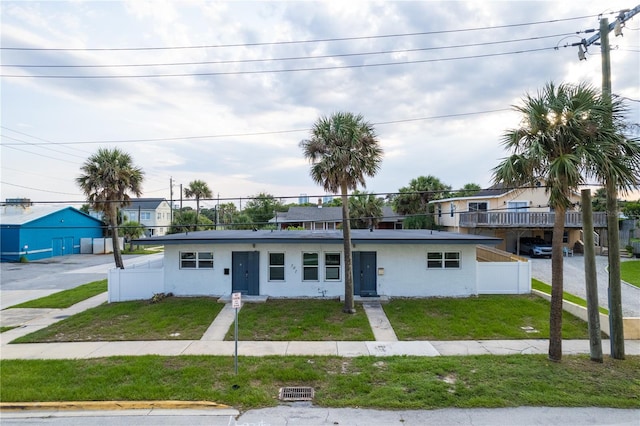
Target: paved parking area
(574, 281)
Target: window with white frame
(276, 266)
(159, 216)
(478, 206)
(332, 266)
(310, 266)
(145, 215)
(196, 260)
(443, 260)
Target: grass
(546, 288)
(64, 299)
(3, 329)
(630, 272)
(171, 319)
(309, 319)
(477, 318)
(372, 382)
(142, 250)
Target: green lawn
(309, 319)
(477, 318)
(171, 319)
(372, 382)
(64, 299)
(630, 272)
(546, 288)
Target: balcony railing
(526, 219)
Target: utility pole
(591, 278)
(171, 199)
(616, 330)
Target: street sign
(236, 300)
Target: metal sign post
(236, 303)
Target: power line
(234, 135)
(294, 58)
(276, 71)
(274, 43)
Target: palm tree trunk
(113, 218)
(557, 283)
(349, 306)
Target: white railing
(526, 219)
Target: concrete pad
(24, 350)
(221, 324)
(352, 349)
(380, 325)
(415, 348)
(454, 347)
(513, 347)
(312, 348)
(201, 347)
(15, 297)
(18, 316)
(71, 350)
(262, 348)
(118, 348)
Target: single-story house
(393, 263)
(323, 218)
(40, 232)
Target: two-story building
(153, 213)
(511, 214)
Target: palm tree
(197, 189)
(343, 149)
(108, 176)
(562, 140)
(365, 210)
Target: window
(439, 210)
(478, 206)
(196, 260)
(332, 266)
(452, 208)
(276, 266)
(145, 215)
(310, 266)
(443, 260)
(159, 216)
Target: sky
(225, 91)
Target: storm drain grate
(296, 394)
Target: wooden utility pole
(591, 278)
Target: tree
(561, 140)
(365, 210)
(197, 189)
(599, 200)
(413, 201)
(631, 209)
(342, 149)
(227, 213)
(185, 221)
(467, 190)
(108, 176)
(262, 207)
(131, 230)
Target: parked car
(535, 247)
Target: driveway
(20, 282)
(574, 281)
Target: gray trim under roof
(358, 236)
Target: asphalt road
(574, 281)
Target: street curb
(110, 405)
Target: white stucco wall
(405, 271)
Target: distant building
(152, 213)
(41, 232)
(303, 199)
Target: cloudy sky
(224, 91)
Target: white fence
(134, 284)
(503, 277)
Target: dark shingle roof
(325, 214)
(144, 203)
